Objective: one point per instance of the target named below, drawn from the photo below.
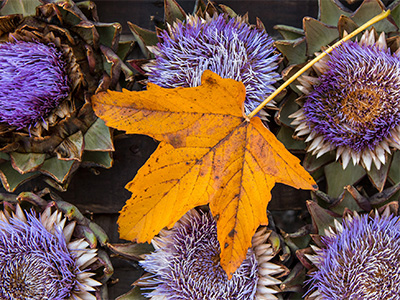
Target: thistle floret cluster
(352, 106)
(44, 254)
(357, 259)
(214, 38)
(229, 47)
(34, 82)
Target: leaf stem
(375, 19)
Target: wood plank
(125, 272)
(271, 12)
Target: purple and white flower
(39, 261)
(229, 47)
(353, 105)
(33, 82)
(359, 259)
(186, 265)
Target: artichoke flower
(353, 105)
(215, 39)
(190, 251)
(355, 255)
(47, 251)
(346, 108)
(53, 58)
(32, 66)
(230, 48)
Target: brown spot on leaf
(232, 233)
(210, 81)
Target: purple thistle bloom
(33, 81)
(353, 107)
(34, 264)
(38, 260)
(357, 103)
(230, 48)
(361, 260)
(186, 265)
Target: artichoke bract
(49, 250)
(51, 63)
(344, 111)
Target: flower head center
(369, 274)
(34, 263)
(216, 260)
(28, 275)
(362, 105)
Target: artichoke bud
(54, 61)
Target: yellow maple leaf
(209, 153)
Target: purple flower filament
(33, 82)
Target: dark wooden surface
(103, 193)
(271, 12)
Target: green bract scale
(54, 56)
